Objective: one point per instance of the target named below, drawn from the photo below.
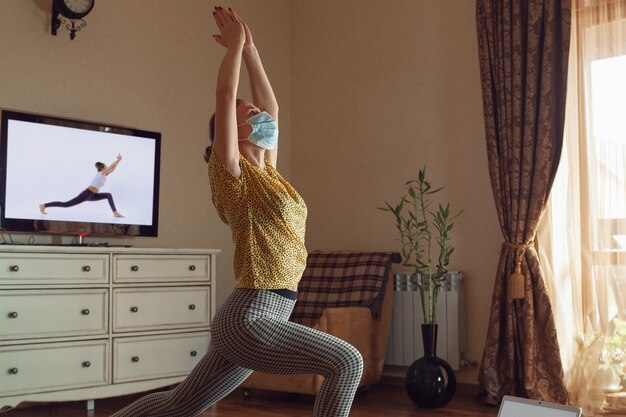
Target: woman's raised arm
(260, 86)
(232, 36)
(112, 167)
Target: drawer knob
(85, 312)
(134, 268)
(13, 371)
(192, 267)
(86, 268)
(135, 359)
(86, 364)
(192, 306)
(194, 353)
(14, 268)
(13, 315)
(134, 309)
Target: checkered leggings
(251, 331)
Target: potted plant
(426, 249)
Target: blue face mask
(264, 130)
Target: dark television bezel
(71, 228)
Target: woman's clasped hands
(232, 29)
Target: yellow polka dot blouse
(267, 218)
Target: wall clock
(72, 10)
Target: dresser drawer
(53, 313)
(43, 269)
(53, 366)
(162, 268)
(160, 308)
(157, 356)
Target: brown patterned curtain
(523, 52)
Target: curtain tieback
(515, 286)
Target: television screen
(62, 176)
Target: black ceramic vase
(430, 381)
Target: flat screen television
(47, 159)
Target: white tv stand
(82, 323)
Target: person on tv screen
(92, 192)
(267, 217)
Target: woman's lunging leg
(105, 196)
(80, 198)
(266, 341)
(212, 379)
(302, 350)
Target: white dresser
(80, 323)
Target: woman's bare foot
(42, 209)
(117, 214)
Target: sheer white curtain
(583, 233)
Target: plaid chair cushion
(342, 279)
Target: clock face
(78, 6)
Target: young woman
(267, 218)
(92, 192)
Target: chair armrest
(352, 324)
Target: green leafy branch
(418, 225)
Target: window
(583, 235)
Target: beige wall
(149, 64)
(378, 90)
(369, 90)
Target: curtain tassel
(515, 288)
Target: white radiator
(405, 336)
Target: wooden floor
(386, 399)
